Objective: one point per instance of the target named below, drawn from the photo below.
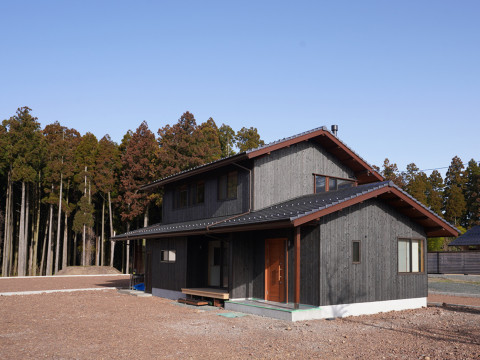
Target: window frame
(359, 251)
(192, 195)
(171, 256)
(354, 182)
(422, 247)
(224, 185)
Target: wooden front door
(275, 269)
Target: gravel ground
(109, 325)
(458, 284)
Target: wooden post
(297, 268)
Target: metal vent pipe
(334, 129)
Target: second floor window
(329, 183)
(189, 195)
(227, 186)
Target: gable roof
(470, 238)
(302, 210)
(363, 171)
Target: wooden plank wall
(458, 262)
(212, 206)
(376, 278)
(287, 173)
(169, 276)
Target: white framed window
(411, 253)
(168, 256)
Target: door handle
(279, 276)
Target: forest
(63, 195)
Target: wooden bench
(218, 295)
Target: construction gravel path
(110, 325)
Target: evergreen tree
(454, 204)
(390, 172)
(226, 136)
(416, 183)
(472, 195)
(208, 145)
(435, 192)
(248, 139)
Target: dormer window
(227, 186)
(324, 183)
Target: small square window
(200, 192)
(168, 255)
(356, 252)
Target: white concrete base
(168, 294)
(332, 311)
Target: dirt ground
(109, 325)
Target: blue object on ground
(139, 287)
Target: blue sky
(401, 79)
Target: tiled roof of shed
(470, 238)
(287, 211)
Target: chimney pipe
(334, 129)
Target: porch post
(297, 268)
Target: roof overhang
(363, 171)
(433, 225)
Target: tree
(390, 172)
(435, 192)
(107, 165)
(25, 157)
(179, 145)
(85, 155)
(226, 136)
(416, 183)
(472, 194)
(454, 204)
(139, 166)
(248, 139)
(208, 143)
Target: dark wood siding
(287, 173)
(376, 277)
(165, 275)
(212, 206)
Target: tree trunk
(36, 234)
(112, 243)
(97, 250)
(65, 232)
(59, 223)
(44, 246)
(83, 234)
(22, 243)
(102, 247)
(74, 262)
(48, 271)
(7, 238)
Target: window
(189, 195)
(168, 256)
(328, 183)
(410, 255)
(200, 193)
(356, 252)
(227, 186)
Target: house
(300, 228)
(469, 240)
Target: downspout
(249, 199)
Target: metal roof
(285, 212)
(470, 238)
(245, 155)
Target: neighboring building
(297, 229)
(469, 240)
